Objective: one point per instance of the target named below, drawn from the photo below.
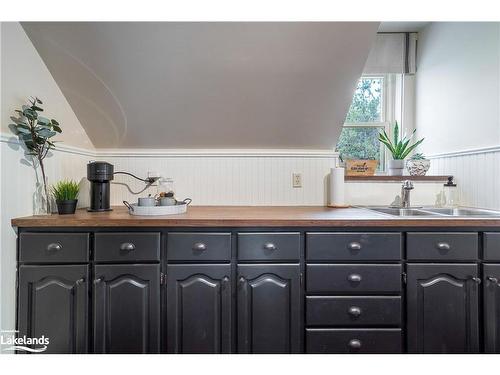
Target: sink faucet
(406, 188)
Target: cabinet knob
(355, 344)
(99, 280)
(477, 280)
(492, 279)
(199, 246)
(445, 246)
(354, 278)
(80, 281)
(354, 311)
(54, 247)
(270, 246)
(127, 246)
(354, 246)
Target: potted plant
(36, 132)
(400, 148)
(418, 165)
(65, 193)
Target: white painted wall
(458, 105)
(458, 86)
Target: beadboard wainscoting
(477, 174)
(229, 180)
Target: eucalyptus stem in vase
(35, 132)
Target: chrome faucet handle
(407, 185)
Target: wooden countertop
(248, 216)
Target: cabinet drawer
(353, 278)
(199, 246)
(326, 341)
(353, 311)
(54, 247)
(491, 246)
(269, 246)
(353, 246)
(442, 246)
(125, 247)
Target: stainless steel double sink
(436, 212)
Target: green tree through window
(359, 137)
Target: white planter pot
(418, 167)
(395, 167)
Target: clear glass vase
(41, 203)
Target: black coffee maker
(99, 173)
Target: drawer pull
(127, 246)
(354, 246)
(270, 246)
(355, 344)
(354, 311)
(98, 280)
(477, 280)
(354, 278)
(54, 247)
(199, 246)
(443, 246)
(492, 279)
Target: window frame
(386, 114)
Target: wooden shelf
(397, 178)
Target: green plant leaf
(36, 108)
(411, 148)
(65, 190)
(43, 121)
(57, 128)
(396, 133)
(54, 122)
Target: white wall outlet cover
(297, 180)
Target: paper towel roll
(337, 187)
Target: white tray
(136, 210)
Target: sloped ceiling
(207, 85)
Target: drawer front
(269, 246)
(54, 247)
(353, 311)
(126, 247)
(442, 246)
(353, 278)
(331, 341)
(199, 246)
(491, 246)
(353, 246)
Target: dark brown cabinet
(127, 308)
(491, 292)
(199, 308)
(53, 303)
(443, 308)
(268, 305)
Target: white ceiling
(406, 27)
(207, 85)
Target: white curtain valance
(392, 53)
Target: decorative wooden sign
(360, 167)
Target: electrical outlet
(296, 180)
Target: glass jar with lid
(165, 187)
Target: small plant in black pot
(65, 194)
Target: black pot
(66, 207)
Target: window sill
(395, 178)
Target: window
(366, 117)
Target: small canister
(147, 201)
(450, 193)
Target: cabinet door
(53, 302)
(269, 308)
(443, 309)
(199, 308)
(491, 288)
(127, 308)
